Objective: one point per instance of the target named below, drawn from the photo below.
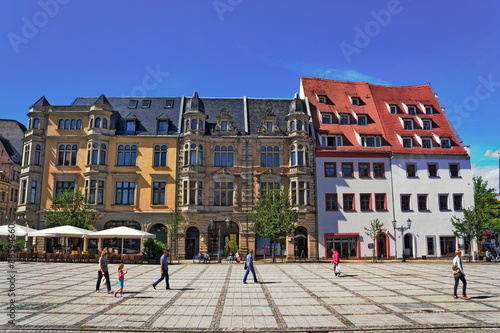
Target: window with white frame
(344, 119)
(299, 192)
(298, 156)
(407, 124)
(371, 141)
(331, 141)
(355, 101)
(192, 192)
(427, 143)
(33, 189)
(322, 99)
(362, 120)
(193, 154)
(393, 108)
(445, 143)
(26, 154)
(412, 110)
(429, 109)
(326, 118)
(407, 142)
(96, 153)
(162, 125)
(427, 124)
(94, 191)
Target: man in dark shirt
(163, 270)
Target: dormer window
(169, 103)
(355, 101)
(393, 108)
(162, 125)
(344, 119)
(326, 118)
(223, 126)
(445, 143)
(146, 103)
(331, 141)
(362, 120)
(408, 124)
(130, 126)
(132, 104)
(429, 109)
(427, 125)
(269, 126)
(371, 141)
(407, 142)
(426, 143)
(412, 110)
(322, 99)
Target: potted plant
(153, 250)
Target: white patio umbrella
(121, 232)
(62, 231)
(19, 230)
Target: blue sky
(257, 48)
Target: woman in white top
(458, 262)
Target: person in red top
(121, 280)
(335, 261)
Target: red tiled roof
(375, 100)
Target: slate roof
(11, 151)
(146, 117)
(41, 102)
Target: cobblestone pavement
(295, 297)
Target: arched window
(193, 154)
(269, 156)
(187, 124)
(91, 123)
(160, 155)
(96, 153)
(292, 126)
(78, 124)
(36, 123)
(105, 123)
(224, 156)
(194, 123)
(298, 155)
(98, 122)
(127, 155)
(38, 152)
(66, 124)
(67, 155)
(60, 124)
(299, 125)
(72, 124)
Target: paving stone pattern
(293, 297)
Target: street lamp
(402, 229)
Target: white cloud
(492, 153)
(489, 174)
(319, 71)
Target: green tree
(374, 231)
(70, 208)
(273, 216)
(173, 221)
(153, 249)
(479, 217)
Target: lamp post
(402, 229)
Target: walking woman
(103, 271)
(335, 261)
(457, 261)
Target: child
(121, 279)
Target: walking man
(249, 267)
(163, 270)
